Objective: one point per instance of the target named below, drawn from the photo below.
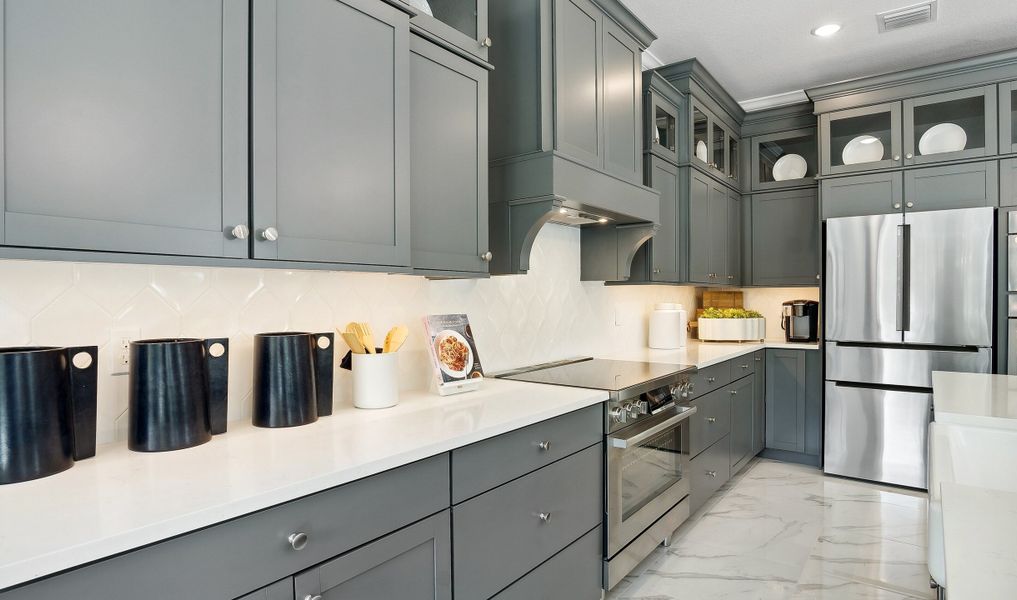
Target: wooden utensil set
(360, 338)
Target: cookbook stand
(450, 388)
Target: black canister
(47, 410)
(292, 378)
(177, 393)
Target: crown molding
(774, 101)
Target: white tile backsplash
(768, 301)
(545, 315)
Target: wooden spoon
(363, 331)
(353, 341)
(395, 338)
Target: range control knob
(619, 415)
(641, 407)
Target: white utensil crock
(375, 380)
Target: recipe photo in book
(453, 348)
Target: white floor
(787, 531)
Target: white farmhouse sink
(974, 456)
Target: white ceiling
(760, 48)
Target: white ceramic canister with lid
(668, 323)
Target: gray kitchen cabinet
(794, 403)
(712, 420)
(759, 402)
(664, 248)
(414, 563)
(572, 574)
(1008, 117)
(964, 185)
(578, 86)
(448, 160)
(765, 150)
(719, 232)
(125, 138)
(460, 23)
(973, 110)
(709, 230)
(1008, 182)
(709, 471)
(661, 119)
(280, 590)
(785, 238)
(623, 110)
(742, 417)
(877, 126)
(869, 194)
(330, 149)
(733, 272)
(710, 142)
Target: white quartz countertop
(975, 399)
(704, 354)
(979, 529)
(122, 500)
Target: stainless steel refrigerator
(905, 295)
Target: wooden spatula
(353, 341)
(395, 338)
(363, 331)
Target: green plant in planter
(730, 313)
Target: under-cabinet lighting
(826, 30)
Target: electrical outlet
(120, 349)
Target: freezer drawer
(877, 434)
(902, 365)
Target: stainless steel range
(647, 450)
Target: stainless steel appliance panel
(1011, 354)
(908, 366)
(621, 564)
(875, 434)
(861, 275)
(1011, 260)
(949, 277)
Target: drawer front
(743, 365)
(710, 378)
(498, 536)
(711, 422)
(490, 463)
(710, 470)
(228, 560)
(572, 574)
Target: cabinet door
(663, 177)
(951, 125)
(414, 563)
(330, 136)
(733, 159)
(280, 590)
(719, 233)
(448, 160)
(860, 139)
(873, 194)
(462, 23)
(785, 238)
(785, 400)
(578, 96)
(700, 134)
(758, 402)
(125, 126)
(1008, 182)
(662, 127)
(733, 272)
(623, 115)
(1008, 117)
(966, 185)
(699, 228)
(742, 416)
(770, 149)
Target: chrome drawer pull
(759, 359)
(298, 541)
(745, 366)
(545, 517)
(711, 419)
(544, 446)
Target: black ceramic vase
(292, 378)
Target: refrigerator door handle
(903, 277)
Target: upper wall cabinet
(951, 125)
(448, 160)
(461, 23)
(1008, 117)
(661, 120)
(711, 142)
(125, 126)
(860, 139)
(785, 159)
(330, 135)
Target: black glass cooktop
(598, 374)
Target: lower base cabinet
(742, 413)
(794, 405)
(710, 470)
(572, 574)
(280, 590)
(759, 402)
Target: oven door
(646, 473)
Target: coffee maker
(800, 321)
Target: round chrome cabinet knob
(240, 232)
(896, 205)
(269, 234)
(310, 597)
(910, 204)
(909, 155)
(545, 517)
(896, 156)
(487, 43)
(487, 256)
(298, 541)
(544, 445)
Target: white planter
(732, 330)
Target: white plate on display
(862, 149)
(790, 166)
(458, 347)
(422, 6)
(945, 137)
(701, 152)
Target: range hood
(553, 188)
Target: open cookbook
(453, 352)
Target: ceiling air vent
(898, 18)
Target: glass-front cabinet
(783, 160)
(718, 146)
(860, 139)
(714, 143)
(662, 122)
(733, 162)
(701, 140)
(1008, 117)
(462, 23)
(951, 125)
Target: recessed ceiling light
(826, 30)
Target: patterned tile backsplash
(545, 315)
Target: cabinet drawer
(710, 470)
(742, 366)
(711, 422)
(710, 378)
(232, 558)
(572, 574)
(499, 536)
(490, 463)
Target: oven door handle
(652, 431)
